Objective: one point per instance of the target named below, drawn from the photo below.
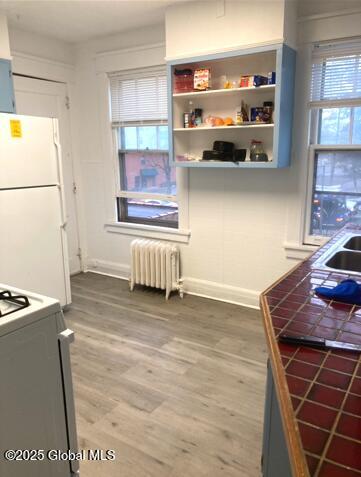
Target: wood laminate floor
(175, 388)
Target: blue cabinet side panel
(285, 107)
(7, 98)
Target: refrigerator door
(33, 249)
(28, 155)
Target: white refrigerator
(33, 245)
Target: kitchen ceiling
(80, 20)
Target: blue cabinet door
(7, 98)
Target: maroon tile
(285, 361)
(313, 439)
(316, 280)
(283, 286)
(346, 354)
(306, 317)
(295, 297)
(310, 355)
(286, 349)
(300, 327)
(318, 301)
(340, 364)
(355, 318)
(312, 463)
(275, 294)
(339, 313)
(352, 328)
(356, 310)
(349, 338)
(279, 322)
(318, 415)
(302, 370)
(272, 302)
(312, 309)
(283, 312)
(332, 323)
(295, 402)
(358, 372)
(344, 451)
(356, 386)
(328, 396)
(323, 332)
(345, 307)
(290, 305)
(334, 379)
(332, 470)
(329, 283)
(296, 386)
(349, 426)
(353, 405)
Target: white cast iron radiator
(155, 264)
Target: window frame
(121, 194)
(121, 214)
(314, 147)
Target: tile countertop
(319, 392)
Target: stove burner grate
(21, 301)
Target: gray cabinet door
(275, 459)
(7, 98)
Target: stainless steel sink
(346, 261)
(344, 256)
(354, 243)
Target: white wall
(205, 26)
(40, 46)
(102, 250)
(4, 38)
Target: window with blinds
(139, 97)
(334, 197)
(336, 74)
(147, 193)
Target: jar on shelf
(183, 81)
(257, 153)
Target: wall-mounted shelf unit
(220, 102)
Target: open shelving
(220, 102)
(224, 91)
(215, 128)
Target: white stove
(36, 391)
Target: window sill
(149, 231)
(299, 251)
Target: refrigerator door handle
(60, 169)
(65, 338)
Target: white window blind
(138, 97)
(336, 75)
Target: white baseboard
(114, 269)
(221, 292)
(192, 286)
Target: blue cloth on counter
(347, 291)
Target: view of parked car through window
(337, 191)
(335, 138)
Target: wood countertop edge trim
(292, 436)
